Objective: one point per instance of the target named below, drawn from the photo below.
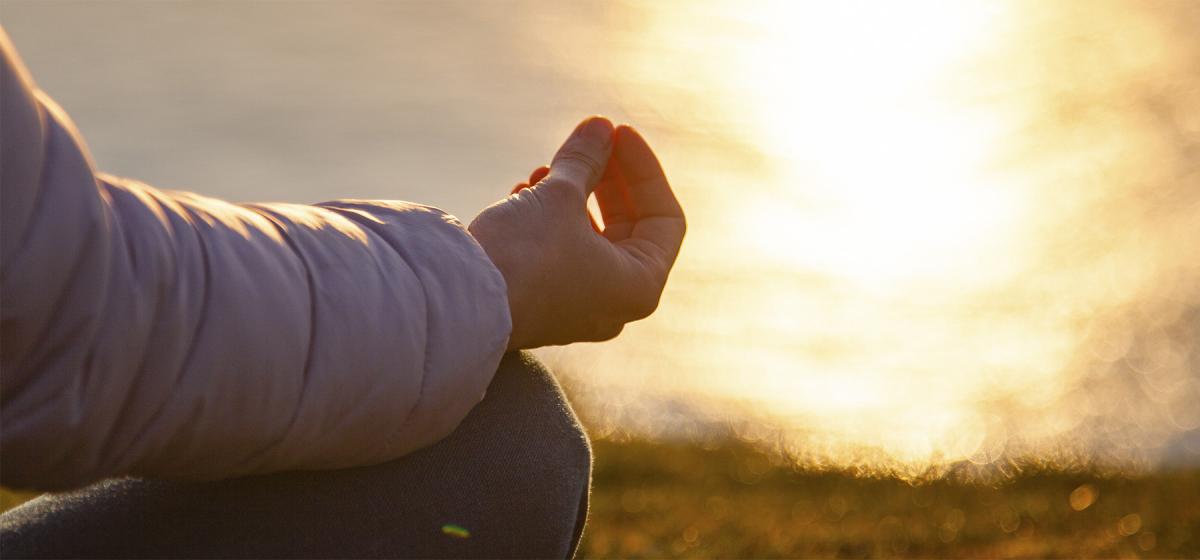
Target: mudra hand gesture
(568, 280)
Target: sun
(886, 164)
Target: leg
(515, 475)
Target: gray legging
(512, 480)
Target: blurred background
(941, 289)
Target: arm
(167, 334)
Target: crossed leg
(511, 481)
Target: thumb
(580, 162)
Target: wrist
(516, 339)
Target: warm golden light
(940, 291)
(894, 258)
(919, 232)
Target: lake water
(919, 232)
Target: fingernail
(597, 127)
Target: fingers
(535, 177)
(658, 232)
(616, 208)
(648, 188)
(580, 161)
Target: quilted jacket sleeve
(167, 334)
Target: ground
(673, 500)
(655, 499)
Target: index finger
(660, 219)
(648, 187)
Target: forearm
(169, 334)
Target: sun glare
(888, 165)
(907, 234)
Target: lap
(514, 477)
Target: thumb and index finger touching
(658, 223)
(581, 163)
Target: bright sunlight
(914, 286)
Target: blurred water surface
(920, 233)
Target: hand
(567, 280)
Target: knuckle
(589, 164)
(601, 328)
(644, 305)
(608, 331)
(532, 200)
(558, 180)
(564, 189)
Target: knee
(546, 447)
(516, 473)
(535, 402)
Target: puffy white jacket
(166, 334)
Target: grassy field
(658, 500)
(683, 500)
(10, 499)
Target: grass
(684, 500)
(11, 498)
(655, 500)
